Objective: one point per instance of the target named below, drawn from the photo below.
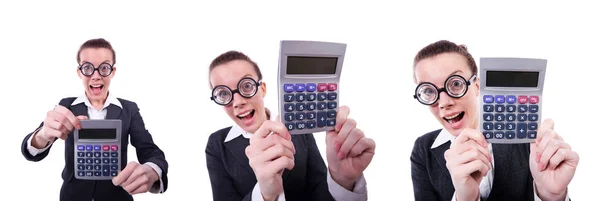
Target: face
(248, 113)
(454, 114)
(96, 86)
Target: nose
(238, 100)
(445, 101)
(96, 75)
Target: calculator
(308, 82)
(511, 98)
(98, 149)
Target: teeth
(97, 85)
(245, 114)
(453, 116)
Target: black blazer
(431, 179)
(133, 124)
(232, 178)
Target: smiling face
(248, 113)
(454, 114)
(96, 86)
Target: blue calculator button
(97, 154)
(310, 87)
(97, 148)
(105, 161)
(288, 107)
(81, 173)
(499, 126)
(488, 135)
(300, 87)
(532, 126)
(89, 161)
(311, 96)
(311, 124)
(499, 134)
(321, 105)
(510, 126)
(300, 116)
(300, 106)
(289, 88)
(288, 97)
(488, 117)
(533, 108)
(311, 115)
(499, 117)
(331, 96)
(321, 96)
(97, 167)
(522, 108)
(511, 99)
(89, 167)
(80, 154)
(521, 130)
(510, 117)
(331, 105)
(330, 122)
(300, 125)
(522, 117)
(105, 154)
(532, 134)
(114, 161)
(533, 117)
(89, 154)
(89, 173)
(97, 173)
(289, 116)
(89, 148)
(511, 108)
(488, 126)
(488, 108)
(488, 99)
(499, 99)
(80, 167)
(105, 171)
(510, 134)
(80, 147)
(311, 106)
(331, 113)
(300, 97)
(499, 108)
(98, 161)
(321, 119)
(290, 126)
(80, 160)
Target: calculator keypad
(97, 161)
(310, 105)
(510, 117)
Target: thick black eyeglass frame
(443, 89)
(95, 69)
(233, 92)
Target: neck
(98, 103)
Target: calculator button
(332, 86)
(510, 117)
(488, 99)
(105, 154)
(97, 154)
(80, 154)
(114, 148)
(330, 122)
(321, 105)
(499, 134)
(488, 135)
(289, 88)
(488, 117)
(310, 124)
(288, 107)
(322, 87)
(89, 154)
(511, 99)
(532, 126)
(114, 167)
(97, 147)
(321, 96)
(311, 115)
(521, 130)
(534, 99)
(311, 96)
(533, 108)
(499, 99)
(510, 134)
(310, 87)
(290, 126)
(311, 106)
(114, 161)
(97, 161)
(522, 108)
(488, 126)
(88, 148)
(532, 134)
(89, 167)
(522, 117)
(511, 108)
(114, 154)
(300, 97)
(89, 173)
(80, 160)
(289, 116)
(80, 167)
(97, 167)
(105, 148)
(300, 106)
(80, 147)
(331, 96)
(510, 126)
(300, 87)
(105, 170)
(499, 126)
(81, 173)
(113, 173)
(331, 113)
(300, 125)
(331, 105)
(105, 160)
(321, 118)
(499, 108)
(522, 99)
(300, 116)
(288, 97)
(488, 108)
(533, 117)
(499, 117)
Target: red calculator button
(332, 86)
(105, 148)
(114, 148)
(523, 99)
(533, 99)
(322, 87)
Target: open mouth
(455, 118)
(96, 88)
(246, 115)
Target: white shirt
(485, 187)
(338, 192)
(99, 114)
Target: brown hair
(233, 56)
(97, 43)
(444, 46)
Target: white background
(163, 53)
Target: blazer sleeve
(221, 183)
(146, 149)
(317, 172)
(422, 187)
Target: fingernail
(340, 155)
(337, 146)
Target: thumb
(277, 119)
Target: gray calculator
(98, 149)
(308, 84)
(510, 101)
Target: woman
(246, 162)
(456, 162)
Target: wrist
(546, 195)
(37, 141)
(347, 183)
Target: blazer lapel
(79, 109)
(113, 112)
(238, 149)
(438, 152)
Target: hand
(136, 178)
(349, 152)
(468, 160)
(552, 163)
(59, 123)
(269, 154)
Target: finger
(59, 122)
(558, 158)
(137, 183)
(57, 126)
(341, 116)
(278, 164)
(470, 145)
(275, 152)
(547, 153)
(272, 140)
(55, 133)
(137, 173)
(270, 126)
(470, 156)
(363, 145)
(545, 142)
(547, 124)
(470, 134)
(125, 173)
(69, 115)
(82, 117)
(353, 137)
(141, 189)
(277, 118)
(472, 167)
(343, 133)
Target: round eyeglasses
(223, 95)
(88, 69)
(455, 86)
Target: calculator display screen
(512, 79)
(98, 133)
(311, 65)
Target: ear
(78, 73)
(263, 86)
(476, 82)
(113, 72)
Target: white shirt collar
(443, 137)
(236, 131)
(111, 99)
